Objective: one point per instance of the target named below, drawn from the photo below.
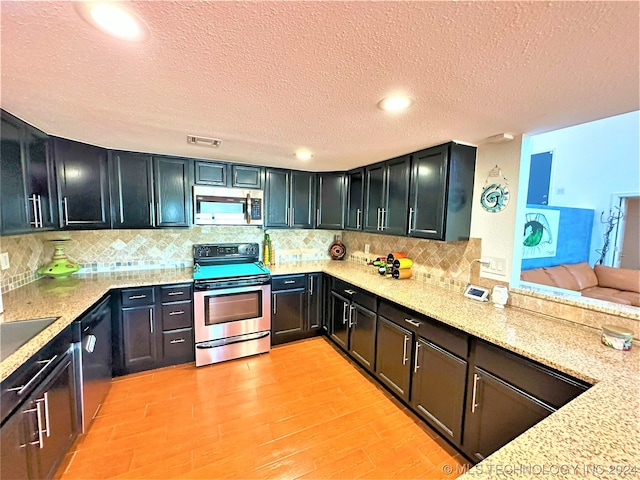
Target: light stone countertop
(597, 435)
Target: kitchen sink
(15, 334)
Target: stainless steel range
(232, 302)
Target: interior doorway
(627, 251)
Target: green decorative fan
(60, 266)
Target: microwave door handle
(248, 208)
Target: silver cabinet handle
(293, 216)
(310, 285)
(40, 211)
(476, 377)
(379, 213)
(171, 294)
(412, 322)
(410, 217)
(65, 204)
(177, 312)
(404, 351)
(40, 441)
(151, 320)
(415, 363)
(358, 213)
(136, 297)
(23, 388)
(352, 321)
(344, 312)
(91, 343)
(289, 282)
(151, 214)
(46, 414)
(34, 202)
(275, 309)
(383, 212)
(178, 340)
(317, 216)
(350, 292)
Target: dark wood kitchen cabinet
(296, 307)
(247, 176)
(330, 202)
(353, 322)
(386, 196)
(14, 461)
(355, 199)
(289, 199)
(27, 183)
(315, 302)
(441, 192)
(172, 189)
(132, 190)
(393, 357)
(83, 185)
(221, 174)
(211, 173)
(140, 340)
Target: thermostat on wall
(477, 293)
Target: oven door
(229, 312)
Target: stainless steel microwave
(227, 206)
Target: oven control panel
(225, 250)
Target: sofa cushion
(536, 275)
(619, 278)
(562, 277)
(606, 294)
(632, 297)
(583, 274)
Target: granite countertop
(596, 435)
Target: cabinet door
(355, 199)
(172, 192)
(277, 198)
(302, 199)
(330, 208)
(211, 173)
(246, 176)
(132, 186)
(373, 197)
(314, 301)
(427, 197)
(497, 412)
(41, 178)
(13, 195)
(363, 335)
(83, 185)
(56, 399)
(139, 328)
(288, 315)
(14, 463)
(339, 326)
(437, 390)
(393, 357)
(396, 203)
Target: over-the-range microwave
(227, 206)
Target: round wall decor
(495, 193)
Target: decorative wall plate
(495, 193)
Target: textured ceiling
(271, 77)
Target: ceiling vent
(500, 138)
(204, 141)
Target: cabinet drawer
(136, 297)
(356, 294)
(175, 293)
(177, 315)
(178, 346)
(288, 282)
(545, 384)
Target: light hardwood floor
(301, 411)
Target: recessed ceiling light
(304, 155)
(395, 103)
(114, 19)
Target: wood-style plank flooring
(301, 411)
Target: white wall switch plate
(4, 260)
(366, 247)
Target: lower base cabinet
(296, 307)
(393, 357)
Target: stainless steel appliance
(232, 302)
(227, 206)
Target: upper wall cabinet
(355, 199)
(289, 198)
(223, 174)
(386, 196)
(83, 185)
(172, 187)
(27, 187)
(441, 192)
(331, 201)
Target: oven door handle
(231, 340)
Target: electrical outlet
(4, 260)
(495, 265)
(366, 248)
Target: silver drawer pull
(412, 322)
(176, 293)
(136, 297)
(474, 404)
(178, 340)
(178, 312)
(350, 292)
(23, 388)
(288, 282)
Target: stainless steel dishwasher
(93, 355)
